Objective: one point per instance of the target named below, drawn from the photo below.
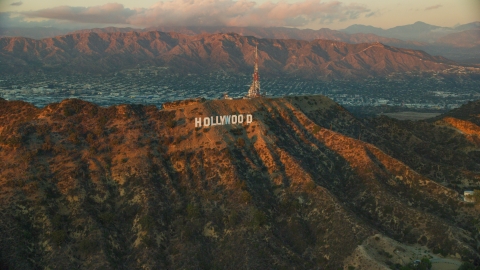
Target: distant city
(157, 85)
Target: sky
(313, 14)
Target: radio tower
(254, 90)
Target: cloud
(9, 20)
(433, 7)
(112, 13)
(19, 3)
(210, 13)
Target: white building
(468, 196)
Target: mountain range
(106, 52)
(418, 31)
(433, 39)
(304, 185)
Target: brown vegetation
(136, 187)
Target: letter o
(206, 121)
(234, 119)
(240, 118)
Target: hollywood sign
(223, 120)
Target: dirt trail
(378, 251)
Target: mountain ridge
(412, 31)
(259, 32)
(94, 52)
(428, 38)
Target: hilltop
(305, 185)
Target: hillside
(418, 31)
(465, 39)
(305, 185)
(107, 52)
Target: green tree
(468, 266)
(425, 264)
(193, 211)
(476, 196)
(171, 123)
(240, 142)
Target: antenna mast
(254, 90)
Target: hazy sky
(313, 14)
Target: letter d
(249, 118)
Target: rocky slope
(305, 185)
(105, 52)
